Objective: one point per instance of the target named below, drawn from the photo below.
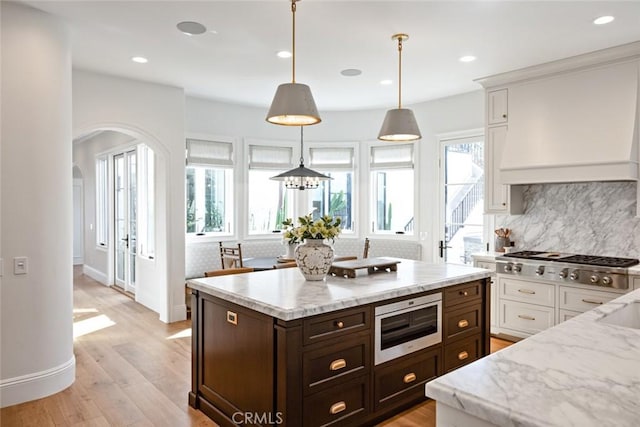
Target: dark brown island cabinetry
(253, 369)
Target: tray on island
(284, 259)
(348, 268)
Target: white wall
(154, 114)
(36, 329)
(457, 113)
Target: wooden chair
(230, 256)
(366, 248)
(227, 271)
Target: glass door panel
(125, 195)
(462, 178)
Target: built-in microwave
(407, 326)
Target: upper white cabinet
(497, 107)
(498, 197)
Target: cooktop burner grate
(595, 260)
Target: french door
(125, 203)
(462, 198)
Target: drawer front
(405, 379)
(525, 291)
(488, 265)
(526, 318)
(336, 324)
(327, 364)
(461, 294)
(343, 405)
(462, 352)
(462, 322)
(564, 315)
(582, 300)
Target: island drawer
(345, 405)
(461, 352)
(336, 324)
(331, 363)
(462, 322)
(404, 379)
(464, 293)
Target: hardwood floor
(133, 370)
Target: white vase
(290, 249)
(314, 258)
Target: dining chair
(366, 248)
(228, 271)
(230, 256)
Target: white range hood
(573, 120)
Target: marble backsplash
(593, 218)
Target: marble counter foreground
(581, 373)
(286, 295)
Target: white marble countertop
(581, 373)
(286, 295)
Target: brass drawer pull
(522, 316)
(340, 324)
(337, 364)
(409, 378)
(464, 293)
(463, 323)
(527, 291)
(232, 317)
(590, 301)
(337, 407)
(463, 355)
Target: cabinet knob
(463, 355)
(463, 323)
(337, 407)
(504, 116)
(409, 378)
(464, 293)
(340, 324)
(504, 204)
(337, 364)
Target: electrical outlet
(20, 265)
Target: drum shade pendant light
(301, 178)
(399, 123)
(293, 104)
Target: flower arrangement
(325, 227)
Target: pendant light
(301, 178)
(293, 104)
(399, 123)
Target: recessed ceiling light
(603, 20)
(467, 58)
(284, 54)
(191, 28)
(351, 72)
(139, 59)
(386, 82)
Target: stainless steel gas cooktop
(570, 268)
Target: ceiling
(238, 62)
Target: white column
(36, 216)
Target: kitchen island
(272, 348)
(583, 372)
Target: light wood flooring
(133, 370)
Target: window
(146, 197)
(269, 202)
(334, 197)
(209, 192)
(392, 181)
(102, 202)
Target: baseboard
(37, 385)
(78, 260)
(179, 313)
(95, 274)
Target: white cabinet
(526, 291)
(497, 107)
(636, 279)
(494, 293)
(581, 300)
(499, 198)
